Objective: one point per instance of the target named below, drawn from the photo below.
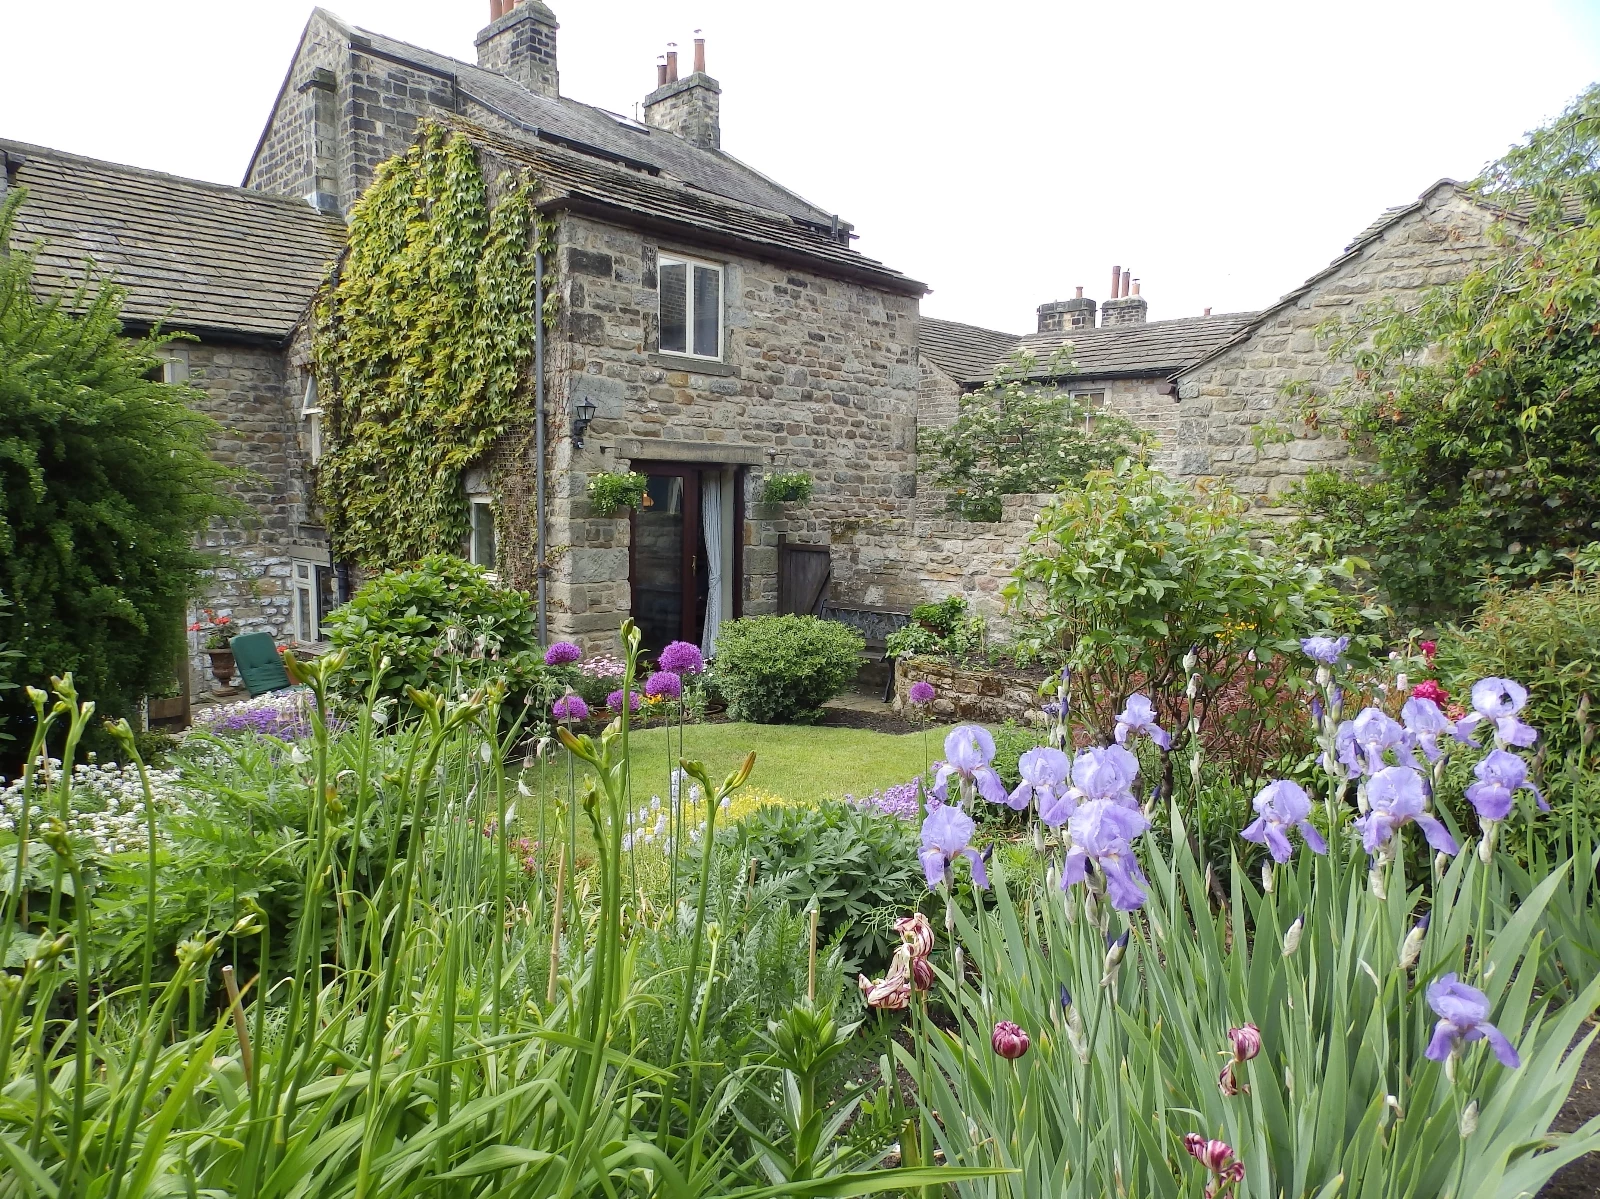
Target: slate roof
(964, 352)
(581, 182)
(200, 257)
(585, 127)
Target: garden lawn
(799, 763)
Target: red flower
(1246, 1042)
(1429, 689)
(1009, 1040)
(1429, 648)
(1216, 1156)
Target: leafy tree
(1479, 407)
(1016, 435)
(104, 481)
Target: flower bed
(972, 691)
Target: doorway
(683, 561)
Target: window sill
(695, 366)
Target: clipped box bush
(782, 669)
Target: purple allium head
(1326, 650)
(570, 707)
(614, 701)
(922, 692)
(681, 658)
(562, 653)
(1463, 1013)
(664, 684)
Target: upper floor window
(691, 307)
(311, 415)
(481, 544)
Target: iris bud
(1291, 939)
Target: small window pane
(674, 307)
(483, 536)
(707, 310)
(303, 609)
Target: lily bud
(1411, 947)
(1009, 1040)
(1291, 939)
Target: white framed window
(690, 296)
(311, 597)
(311, 417)
(174, 367)
(481, 548)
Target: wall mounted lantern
(582, 418)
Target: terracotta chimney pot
(700, 54)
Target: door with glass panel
(667, 556)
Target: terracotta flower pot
(222, 667)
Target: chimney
(691, 107)
(320, 89)
(1123, 308)
(1059, 316)
(520, 43)
(1116, 281)
(661, 72)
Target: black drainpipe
(541, 572)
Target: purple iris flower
(1426, 724)
(1397, 797)
(681, 658)
(570, 707)
(922, 692)
(664, 684)
(1105, 773)
(1044, 778)
(1327, 650)
(1500, 775)
(1375, 731)
(1498, 701)
(947, 835)
(1463, 1013)
(1139, 716)
(1102, 829)
(968, 750)
(1283, 805)
(561, 653)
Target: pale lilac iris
(1327, 650)
(1498, 701)
(1500, 776)
(1398, 797)
(1139, 716)
(1463, 1013)
(1283, 805)
(681, 658)
(1043, 772)
(1105, 773)
(1426, 724)
(968, 750)
(946, 836)
(1375, 732)
(1103, 830)
(562, 653)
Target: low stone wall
(984, 695)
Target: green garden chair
(255, 657)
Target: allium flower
(1282, 805)
(1139, 716)
(946, 836)
(1009, 1040)
(1500, 775)
(1326, 650)
(570, 708)
(1102, 829)
(562, 653)
(614, 701)
(1463, 1013)
(1105, 773)
(681, 658)
(1216, 1156)
(1430, 689)
(1498, 701)
(1425, 722)
(1044, 778)
(663, 685)
(968, 750)
(1397, 797)
(922, 692)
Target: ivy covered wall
(423, 340)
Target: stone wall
(1226, 401)
(986, 695)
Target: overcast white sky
(1000, 152)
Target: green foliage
(1011, 741)
(859, 867)
(781, 488)
(782, 669)
(8, 661)
(941, 628)
(1480, 406)
(440, 625)
(105, 479)
(611, 491)
(423, 334)
(1017, 435)
(1126, 575)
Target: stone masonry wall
(964, 692)
(818, 375)
(1225, 401)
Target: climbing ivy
(422, 339)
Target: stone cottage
(235, 271)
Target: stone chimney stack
(691, 107)
(520, 43)
(1060, 315)
(1123, 308)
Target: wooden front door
(666, 556)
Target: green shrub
(613, 490)
(787, 488)
(782, 669)
(859, 866)
(941, 628)
(444, 626)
